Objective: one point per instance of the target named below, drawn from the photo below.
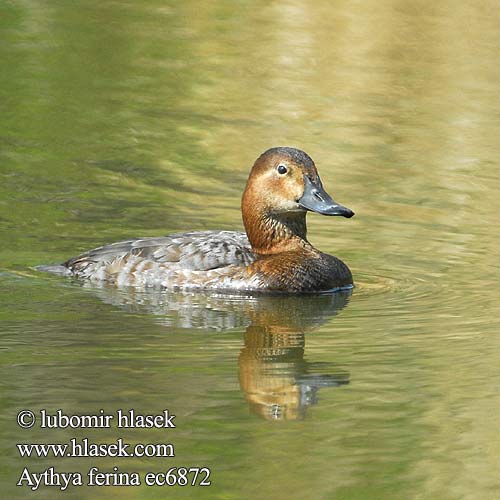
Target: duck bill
(316, 199)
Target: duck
(272, 255)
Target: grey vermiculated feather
(192, 251)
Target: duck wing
(195, 250)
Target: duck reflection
(278, 383)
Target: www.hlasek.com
(88, 448)
(85, 448)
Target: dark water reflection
(279, 384)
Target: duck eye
(282, 170)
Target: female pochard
(273, 255)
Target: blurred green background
(126, 119)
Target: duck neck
(273, 232)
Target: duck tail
(55, 269)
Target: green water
(128, 119)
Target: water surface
(122, 120)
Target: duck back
(147, 261)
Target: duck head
(282, 187)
